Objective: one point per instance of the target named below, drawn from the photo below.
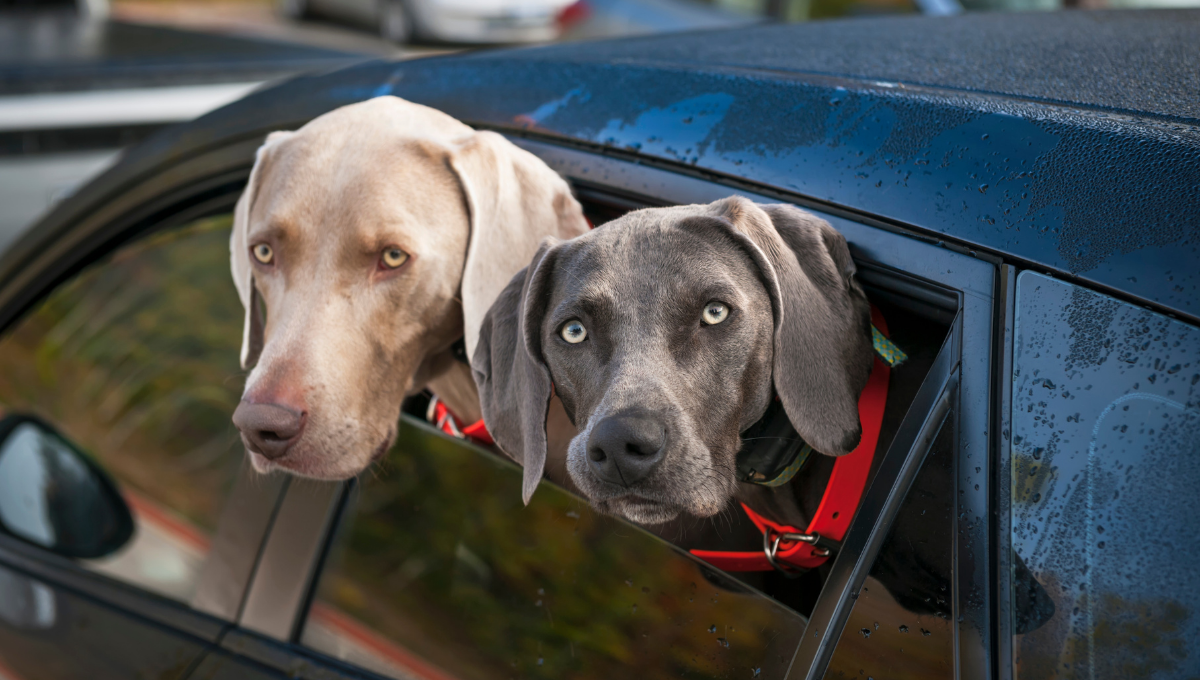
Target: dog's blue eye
(715, 313)
(574, 332)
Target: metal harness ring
(771, 541)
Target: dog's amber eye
(263, 253)
(394, 257)
(574, 332)
(715, 313)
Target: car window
(900, 626)
(1105, 465)
(439, 571)
(134, 361)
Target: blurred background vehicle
(464, 21)
(76, 88)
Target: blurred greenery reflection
(438, 554)
(135, 361)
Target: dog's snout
(624, 449)
(268, 429)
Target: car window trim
(929, 413)
(40, 564)
(286, 573)
(246, 519)
(1002, 473)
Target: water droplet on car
(541, 661)
(925, 632)
(756, 671)
(866, 632)
(723, 642)
(712, 628)
(903, 629)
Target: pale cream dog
(375, 237)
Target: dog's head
(666, 333)
(364, 245)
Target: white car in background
(76, 89)
(456, 21)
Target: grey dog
(666, 333)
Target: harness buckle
(446, 423)
(823, 547)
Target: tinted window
(900, 626)
(135, 361)
(440, 571)
(1105, 466)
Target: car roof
(1144, 62)
(1084, 181)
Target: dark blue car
(1021, 194)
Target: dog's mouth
(639, 509)
(649, 505)
(383, 448)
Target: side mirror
(54, 496)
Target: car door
(1103, 466)
(115, 384)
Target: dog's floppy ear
(822, 349)
(515, 200)
(514, 382)
(239, 257)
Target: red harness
(444, 420)
(784, 547)
(789, 547)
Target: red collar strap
(447, 422)
(789, 549)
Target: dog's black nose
(268, 429)
(623, 449)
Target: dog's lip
(653, 511)
(384, 447)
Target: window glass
(900, 626)
(439, 571)
(135, 361)
(1105, 464)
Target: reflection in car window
(135, 360)
(900, 626)
(1105, 453)
(439, 571)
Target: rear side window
(1105, 466)
(439, 571)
